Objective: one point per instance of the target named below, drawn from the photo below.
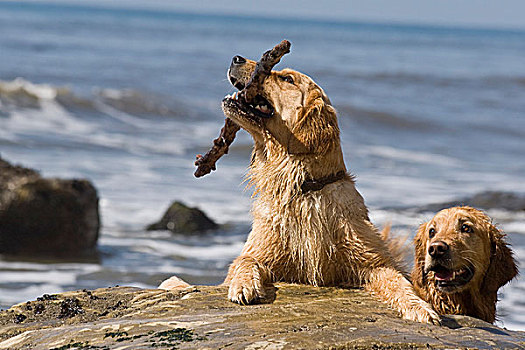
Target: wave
(20, 93)
(24, 94)
(425, 78)
(409, 156)
(45, 116)
(140, 104)
(391, 120)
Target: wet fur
(485, 248)
(321, 238)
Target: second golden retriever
(461, 261)
(310, 224)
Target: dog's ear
(502, 267)
(316, 129)
(419, 255)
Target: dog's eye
(287, 78)
(466, 228)
(432, 232)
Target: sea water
(127, 97)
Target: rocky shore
(46, 216)
(483, 200)
(301, 317)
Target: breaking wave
(47, 116)
(20, 93)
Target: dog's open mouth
(449, 280)
(258, 108)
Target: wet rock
(301, 317)
(484, 200)
(47, 217)
(180, 218)
(70, 307)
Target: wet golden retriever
(310, 225)
(461, 260)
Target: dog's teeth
(235, 95)
(263, 108)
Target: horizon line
(244, 15)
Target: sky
(470, 13)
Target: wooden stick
(263, 69)
(206, 164)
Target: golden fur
(323, 237)
(477, 253)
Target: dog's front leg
(392, 287)
(248, 280)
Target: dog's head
(461, 249)
(292, 112)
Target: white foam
(167, 248)
(517, 227)
(26, 266)
(511, 307)
(409, 156)
(113, 93)
(60, 277)
(398, 218)
(51, 118)
(122, 116)
(60, 274)
(20, 85)
(9, 296)
(401, 190)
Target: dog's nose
(438, 249)
(238, 60)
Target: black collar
(318, 184)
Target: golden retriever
(461, 260)
(310, 224)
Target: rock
(494, 200)
(483, 200)
(180, 218)
(301, 317)
(40, 216)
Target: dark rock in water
(47, 217)
(301, 317)
(180, 218)
(484, 200)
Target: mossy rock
(201, 317)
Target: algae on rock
(201, 317)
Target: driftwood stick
(263, 69)
(206, 164)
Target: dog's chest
(313, 240)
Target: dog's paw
(245, 291)
(423, 313)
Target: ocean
(126, 98)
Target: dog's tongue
(444, 275)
